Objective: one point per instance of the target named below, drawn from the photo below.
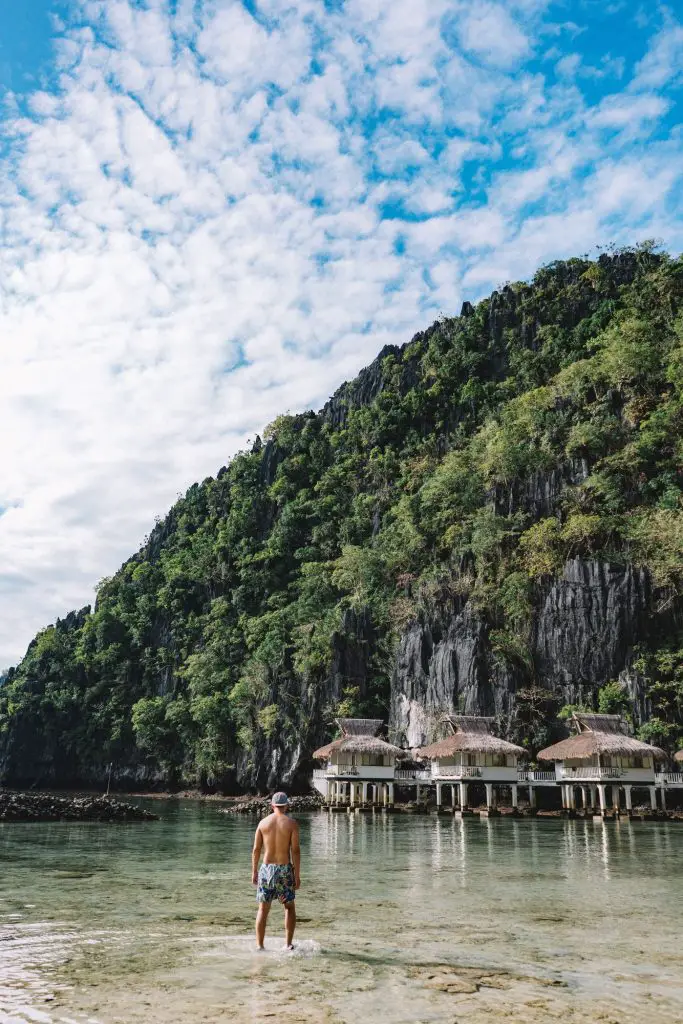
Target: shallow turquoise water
(405, 919)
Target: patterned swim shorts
(275, 882)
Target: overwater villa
(359, 766)
(602, 754)
(361, 769)
(472, 753)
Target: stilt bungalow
(359, 766)
(670, 779)
(602, 754)
(472, 753)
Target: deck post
(615, 798)
(438, 796)
(514, 795)
(385, 794)
(352, 794)
(453, 795)
(563, 791)
(390, 788)
(365, 792)
(594, 797)
(417, 793)
(629, 803)
(653, 797)
(532, 796)
(662, 790)
(463, 796)
(601, 791)
(489, 795)
(584, 797)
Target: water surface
(408, 920)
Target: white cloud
(663, 62)
(193, 238)
(487, 30)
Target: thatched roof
(360, 726)
(358, 745)
(363, 731)
(678, 756)
(598, 734)
(471, 734)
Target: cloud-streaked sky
(215, 211)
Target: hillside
(489, 517)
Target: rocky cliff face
(582, 636)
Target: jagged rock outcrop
(539, 494)
(587, 626)
(582, 636)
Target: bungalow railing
(531, 775)
(673, 777)
(341, 769)
(456, 771)
(410, 774)
(590, 772)
(320, 773)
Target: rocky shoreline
(261, 805)
(45, 807)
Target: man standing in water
(280, 874)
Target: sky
(216, 211)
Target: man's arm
(256, 855)
(296, 855)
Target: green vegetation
(222, 632)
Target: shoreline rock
(29, 807)
(261, 805)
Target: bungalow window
(372, 760)
(638, 761)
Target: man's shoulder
(265, 821)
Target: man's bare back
(277, 838)
(277, 831)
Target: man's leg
(290, 923)
(261, 920)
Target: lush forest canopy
(219, 633)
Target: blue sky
(214, 211)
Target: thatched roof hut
(360, 726)
(598, 734)
(470, 734)
(358, 736)
(678, 756)
(358, 745)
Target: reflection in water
(402, 919)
